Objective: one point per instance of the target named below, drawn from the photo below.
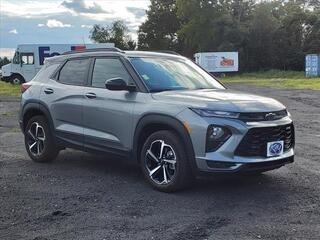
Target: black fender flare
(174, 124)
(40, 107)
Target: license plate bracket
(275, 148)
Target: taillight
(25, 86)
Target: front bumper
(227, 158)
(246, 164)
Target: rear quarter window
(45, 72)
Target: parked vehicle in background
(29, 58)
(160, 110)
(218, 62)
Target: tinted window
(45, 72)
(106, 68)
(74, 72)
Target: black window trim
(56, 74)
(140, 85)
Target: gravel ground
(83, 196)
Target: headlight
(214, 113)
(216, 137)
(289, 114)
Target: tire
(39, 141)
(175, 164)
(16, 80)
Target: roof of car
(112, 52)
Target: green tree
(4, 61)
(291, 36)
(267, 34)
(214, 25)
(118, 34)
(312, 33)
(159, 31)
(260, 46)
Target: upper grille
(263, 116)
(255, 141)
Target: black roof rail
(111, 49)
(167, 51)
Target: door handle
(48, 91)
(90, 95)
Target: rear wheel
(39, 141)
(164, 162)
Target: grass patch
(276, 79)
(15, 130)
(7, 114)
(9, 90)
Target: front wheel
(164, 162)
(39, 141)
(17, 80)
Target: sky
(62, 21)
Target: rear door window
(107, 68)
(74, 72)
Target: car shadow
(104, 185)
(113, 166)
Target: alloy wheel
(160, 161)
(36, 139)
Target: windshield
(16, 58)
(163, 74)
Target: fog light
(216, 137)
(216, 133)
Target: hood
(6, 70)
(220, 99)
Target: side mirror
(118, 84)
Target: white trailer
(218, 61)
(29, 58)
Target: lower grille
(267, 165)
(255, 141)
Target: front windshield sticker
(145, 77)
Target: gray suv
(159, 110)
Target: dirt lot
(82, 196)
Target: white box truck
(29, 58)
(218, 61)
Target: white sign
(218, 61)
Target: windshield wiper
(166, 89)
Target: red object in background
(227, 62)
(78, 48)
(24, 87)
